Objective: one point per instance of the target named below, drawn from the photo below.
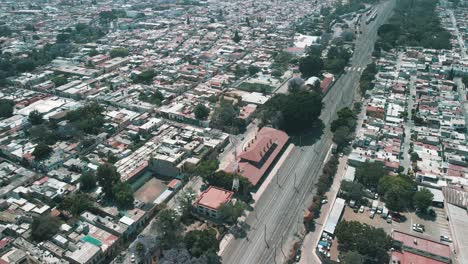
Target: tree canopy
(397, 191)
(77, 203)
(370, 173)
(87, 181)
(370, 242)
(44, 228)
(201, 112)
(6, 107)
(422, 199)
(295, 113)
(35, 117)
(107, 177)
(118, 52)
(311, 65)
(88, 118)
(199, 242)
(152, 97)
(41, 151)
(414, 23)
(123, 194)
(230, 212)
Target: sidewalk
(311, 239)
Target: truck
(375, 204)
(384, 212)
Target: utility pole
(265, 238)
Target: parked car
(324, 201)
(418, 229)
(389, 220)
(419, 226)
(372, 214)
(445, 238)
(361, 209)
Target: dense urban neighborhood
(241, 131)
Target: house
(210, 200)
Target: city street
(278, 212)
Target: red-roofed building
(326, 83)
(175, 184)
(259, 153)
(210, 200)
(377, 112)
(410, 258)
(422, 247)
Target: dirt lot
(150, 190)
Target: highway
(277, 216)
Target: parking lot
(433, 228)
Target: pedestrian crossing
(354, 69)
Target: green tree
(123, 194)
(224, 180)
(253, 69)
(118, 52)
(186, 199)
(311, 66)
(35, 117)
(199, 242)
(370, 173)
(207, 167)
(355, 190)
(237, 38)
(146, 77)
(397, 191)
(6, 107)
(77, 203)
(414, 157)
(44, 228)
(351, 257)
(41, 151)
(107, 177)
(372, 243)
(87, 181)
(201, 111)
(59, 81)
(422, 199)
(342, 136)
(296, 113)
(167, 226)
(346, 117)
(230, 212)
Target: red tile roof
(259, 154)
(214, 197)
(325, 83)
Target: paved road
(278, 213)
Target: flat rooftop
(422, 244)
(213, 197)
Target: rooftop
(213, 197)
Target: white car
(445, 238)
(361, 209)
